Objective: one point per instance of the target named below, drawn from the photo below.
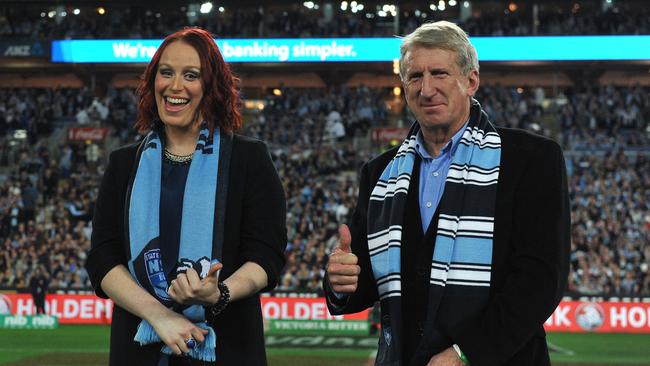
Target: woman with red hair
(189, 223)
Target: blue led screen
(560, 48)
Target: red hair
(221, 102)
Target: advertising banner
(28, 322)
(23, 49)
(87, 133)
(286, 308)
(90, 309)
(348, 327)
(600, 317)
(388, 134)
(69, 309)
(537, 48)
(303, 315)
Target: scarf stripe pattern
(462, 254)
(197, 224)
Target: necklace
(178, 158)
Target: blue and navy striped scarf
(462, 255)
(197, 222)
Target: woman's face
(178, 89)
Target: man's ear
(473, 81)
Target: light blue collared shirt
(433, 172)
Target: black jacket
(530, 258)
(255, 230)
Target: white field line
(558, 349)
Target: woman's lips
(170, 107)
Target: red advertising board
(600, 317)
(70, 309)
(388, 134)
(286, 308)
(90, 309)
(569, 316)
(87, 133)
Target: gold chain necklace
(178, 158)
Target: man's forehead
(415, 57)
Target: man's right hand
(342, 269)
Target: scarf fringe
(204, 351)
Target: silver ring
(190, 343)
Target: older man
(462, 232)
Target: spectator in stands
(189, 107)
(526, 265)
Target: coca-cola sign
(87, 133)
(384, 134)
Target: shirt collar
(449, 149)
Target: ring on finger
(190, 343)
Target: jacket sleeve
(538, 263)
(366, 293)
(107, 239)
(264, 228)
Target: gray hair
(444, 35)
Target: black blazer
(255, 230)
(530, 258)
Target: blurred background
(64, 105)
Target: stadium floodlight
(382, 13)
(101, 11)
(206, 8)
(43, 15)
(64, 13)
(76, 12)
(221, 9)
(308, 4)
(51, 14)
(466, 4)
(353, 4)
(441, 5)
(452, 3)
(344, 5)
(433, 7)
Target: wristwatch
(213, 310)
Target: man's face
(436, 91)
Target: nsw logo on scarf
(155, 272)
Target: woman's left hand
(189, 289)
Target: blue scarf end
(204, 351)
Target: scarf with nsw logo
(462, 256)
(204, 193)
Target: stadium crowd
(46, 195)
(298, 20)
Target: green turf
(18, 344)
(83, 345)
(601, 349)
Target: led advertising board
(556, 48)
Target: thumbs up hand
(342, 268)
(188, 288)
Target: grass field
(87, 346)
